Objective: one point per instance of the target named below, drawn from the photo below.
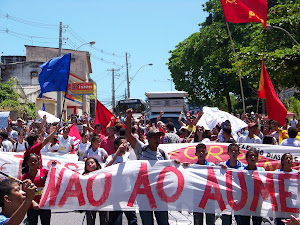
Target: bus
(138, 106)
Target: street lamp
(269, 27)
(88, 43)
(171, 82)
(129, 81)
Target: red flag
(103, 115)
(245, 11)
(275, 108)
(75, 134)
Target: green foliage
(293, 105)
(204, 63)
(9, 100)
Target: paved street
(60, 217)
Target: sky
(146, 30)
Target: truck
(172, 103)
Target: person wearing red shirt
(35, 147)
(108, 142)
(38, 177)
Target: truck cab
(172, 103)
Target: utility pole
(128, 82)
(113, 87)
(59, 93)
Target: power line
(6, 30)
(30, 23)
(27, 38)
(80, 39)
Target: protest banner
(11, 162)
(164, 185)
(167, 186)
(269, 155)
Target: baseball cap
(252, 125)
(153, 131)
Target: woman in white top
(53, 145)
(95, 152)
(65, 141)
(21, 145)
(83, 146)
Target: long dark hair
(85, 165)
(196, 138)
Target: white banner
(269, 155)
(11, 162)
(166, 186)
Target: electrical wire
(80, 39)
(30, 23)
(18, 36)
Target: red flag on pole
(275, 108)
(103, 115)
(75, 134)
(245, 11)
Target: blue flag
(44, 108)
(55, 74)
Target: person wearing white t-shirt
(293, 122)
(21, 145)
(65, 141)
(121, 155)
(53, 146)
(251, 137)
(95, 152)
(83, 146)
(291, 141)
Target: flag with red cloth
(74, 133)
(103, 116)
(275, 108)
(245, 11)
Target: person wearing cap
(251, 137)
(12, 134)
(147, 152)
(226, 124)
(20, 122)
(85, 129)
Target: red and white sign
(166, 186)
(82, 88)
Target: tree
(9, 100)
(204, 64)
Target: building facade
(27, 68)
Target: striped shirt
(148, 154)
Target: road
(60, 217)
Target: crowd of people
(122, 140)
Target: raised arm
(121, 150)
(160, 116)
(179, 119)
(50, 136)
(131, 139)
(197, 118)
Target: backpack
(25, 143)
(161, 151)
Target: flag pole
(257, 105)
(63, 107)
(238, 68)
